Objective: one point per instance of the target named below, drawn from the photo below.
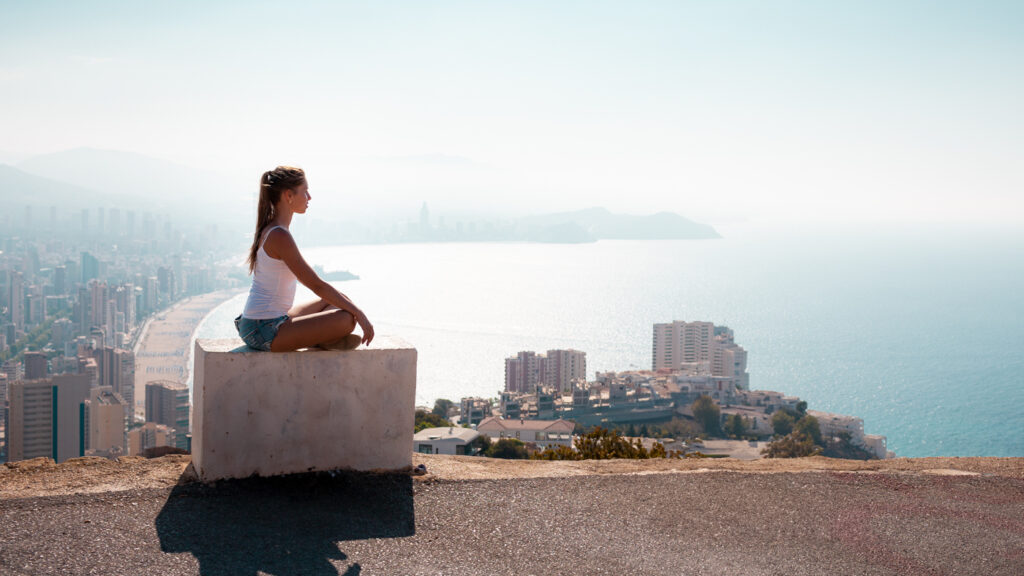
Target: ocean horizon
(914, 329)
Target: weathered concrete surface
(814, 519)
(279, 413)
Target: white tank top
(273, 286)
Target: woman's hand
(364, 323)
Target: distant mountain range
(600, 224)
(127, 173)
(18, 187)
(89, 178)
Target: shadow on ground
(284, 525)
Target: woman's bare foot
(348, 342)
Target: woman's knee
(346, 320)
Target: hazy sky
(716, 110)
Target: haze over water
(917, 331)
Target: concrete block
(267, 413)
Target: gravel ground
(922, 517)
(90, 474)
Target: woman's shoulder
(277, 229)
(274, 237)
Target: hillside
(19, 188)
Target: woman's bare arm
(283, 246)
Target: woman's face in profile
(300, 198)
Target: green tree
(782, 422)
(793, 445)
(801, 407)
(677, 428)
(480, 445)
(557, 453)
(509, 448)
(602, 444)
(808, 426)
(735, 427)
(631, 431)
(426, 419)
(706, 413)
(442, 407)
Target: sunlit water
(917, 332)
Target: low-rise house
(544, 433)
(757, 422)
(770, 400)
(445, 440)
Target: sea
(919, 330)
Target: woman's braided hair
(272, 184)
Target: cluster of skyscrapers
(70, 415)
(72, 306)
(689, 359)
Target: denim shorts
(258, 334)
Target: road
(686, 522)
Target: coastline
(163, 350)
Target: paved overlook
(482, 516)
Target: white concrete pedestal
(267, 413)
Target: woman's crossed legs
(315, 323)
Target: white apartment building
(544, 433)
(16, 300)
(106, 423)
(696, 347)
(522, 373)
(561, 367)
(46, 418)
(768, 399)
(876, 444)
(557, 369)
(730, 360)
(679, 342)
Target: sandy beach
(162, 352)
